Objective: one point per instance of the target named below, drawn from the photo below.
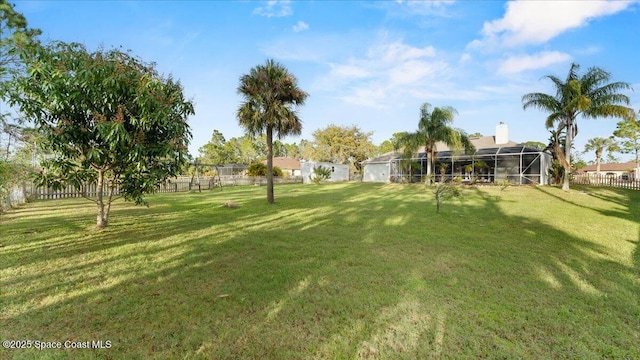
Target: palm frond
(271, 96)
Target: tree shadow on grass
(374, 273)
(622, 197)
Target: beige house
(496, 159)
(628, 170)
(289, 166)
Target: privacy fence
(606, 181)
(26, 191)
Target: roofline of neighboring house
(626, 166)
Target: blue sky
(368, 63)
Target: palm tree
(590, 95)
(434, 126)
(271, 95)
(600, 145)
(556, 147)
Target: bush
(320, 174)
(260, 169)
(445, 192)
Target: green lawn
(338, 271)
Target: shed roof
(384, 158)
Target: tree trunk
(109, 199)
(270, 165)
(429, 156)
(636, 173)
(567, 155)
(101, 220)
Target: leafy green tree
(107, 117)
(385, 147)
(260, 147)
(292, 151)
(475, 135)
(15, 35)
(271, 96)
(342, 145)
(390, 145)
(628, 131)
(306, 149)
(215, 151)
(577, 162)
(535, 144)
(434, 126)
(600, 145)
(396, 139)
(242, 150)
(590, 95)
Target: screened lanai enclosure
(515, 164)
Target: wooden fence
(20, 193)
(606, 181)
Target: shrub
(444, 192)
(503, 184)
(320, 174)
(260, 169)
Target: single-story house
(339, 172)
(289, 166)
(495, 158)
(629, 170)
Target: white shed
(339, 172)
(378, 169)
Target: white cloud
(424, 8)
(388, 71)
(535, 22)
(370, 96)
(413, 72)
(349, 71)
(300, 26)
(398, 51)
(274, 8)
(517, 64)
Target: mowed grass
(338, 271)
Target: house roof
(383, 158)
(484, 142)
(610, 167)
(285, 163)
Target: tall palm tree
(434, 126)
(590, 95)
(271, 96)
(600, 145)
